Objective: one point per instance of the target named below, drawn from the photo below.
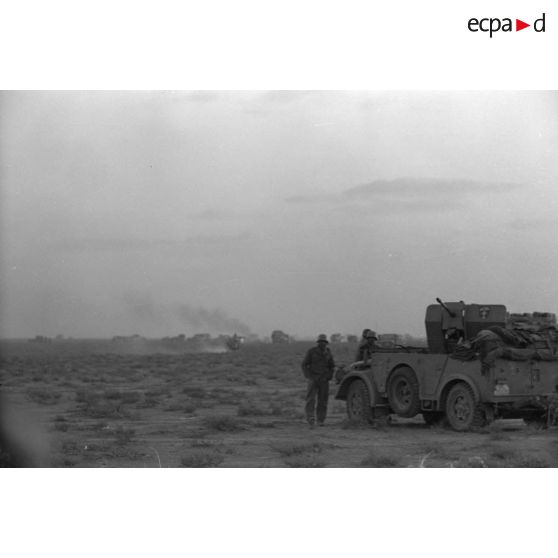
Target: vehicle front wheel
(462, 409)
(359, 402)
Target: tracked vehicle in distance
(450, 382)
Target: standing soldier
(317, 367)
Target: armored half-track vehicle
(477, 367)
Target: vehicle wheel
(433, 418)
(462, 410)
(359, 402)
(403, 393)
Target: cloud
(413, 188)
(409, 194)
(313, 199)
(530, 225)
(126, 244)
(204, 96)
(264, 103)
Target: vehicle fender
(365, 375)
(453, 378)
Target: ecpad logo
(494, 24)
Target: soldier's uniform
(367, 346)
(318, 366)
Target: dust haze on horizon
(160, 213)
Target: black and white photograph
(279, 278)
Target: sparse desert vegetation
(102, 408)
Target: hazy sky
(162, 213)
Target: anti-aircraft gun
(477, 367)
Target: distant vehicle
(278, 336)
(234, 342)
(464, 393)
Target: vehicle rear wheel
(462, 409)
(359, 402)
(403, 393)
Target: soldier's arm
(366, 356)
(359, 354)
(331, 366)
(306, 365)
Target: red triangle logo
(519, 25)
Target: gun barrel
(450, 312)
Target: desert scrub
(503, 453)
(87, 396)
(149, 402)
(349, 424)
(71, 447)
(288, 450)
(249, 382)
(506, 457)
(230, 399)
(42, 396)
(249, 408)
(195, 392)
(200, 459)
(277, 409)
(128, 397)
(60, 423)
(62, 462)
(189, 408)
(380, 460)
(305, 461)
(202, 444)
(124, 435)
(93, 404)
(264, 424)
(223, 423)
(499, 435)
(174, 406)
(434, 450)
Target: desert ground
(100, 404)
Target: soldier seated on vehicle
(367, 347)
(452, 338)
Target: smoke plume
(215, 321)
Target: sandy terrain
(104, 405)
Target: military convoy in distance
(452, 381)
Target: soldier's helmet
(322, 338)
(365, 333)
(371, 335)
